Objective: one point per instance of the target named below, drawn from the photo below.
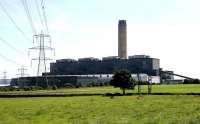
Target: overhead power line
(26, 8)
(11, 46)
(9, 60)
(13, 22)
(38, 11)
(44, 15)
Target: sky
(164, 29)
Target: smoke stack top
(122, 39)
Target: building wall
(59, 81)
(156, 64)
(148, 66)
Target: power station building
(88, 66)
(92, 69)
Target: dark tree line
(195, 81)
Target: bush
(101, 84)
(27, 88)
(3, 89)
(11, 89)
(54, 87)
(93, 84)
(17, 89)
(68, 85)
(107, 83)
(36, 88)
(78, 85)
(195, 81)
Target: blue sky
(165, 29)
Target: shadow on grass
(88, 94)
(130, 94)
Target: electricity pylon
(22, 72)
(43, 44)
(5, 77)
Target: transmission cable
(44, 15)
(11, 46)
(12, 20)
(9, 60)
(25, 5)
(38, 11)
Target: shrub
(195, 81)
(107, 83)
(68, 85)
(78, 85)
(54, 87)
(11, 89)
(17, 89)
(4, 89)
(27, 88)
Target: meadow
(101, 110)
(178, 88)
(144, 109)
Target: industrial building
(87, 66)
(93, 70)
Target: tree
(122, 79)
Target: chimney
(122, 40)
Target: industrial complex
(87, 66)
(94, 70)
(84, 66)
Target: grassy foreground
(180, 88)
(101, 110)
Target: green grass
(101, 110)
(180, 88)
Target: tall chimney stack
(122, 40)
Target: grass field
(101, 110)
(146, 109)
(186, 88)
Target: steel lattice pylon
(43, 44)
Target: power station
(94, 70)
(107, 65)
